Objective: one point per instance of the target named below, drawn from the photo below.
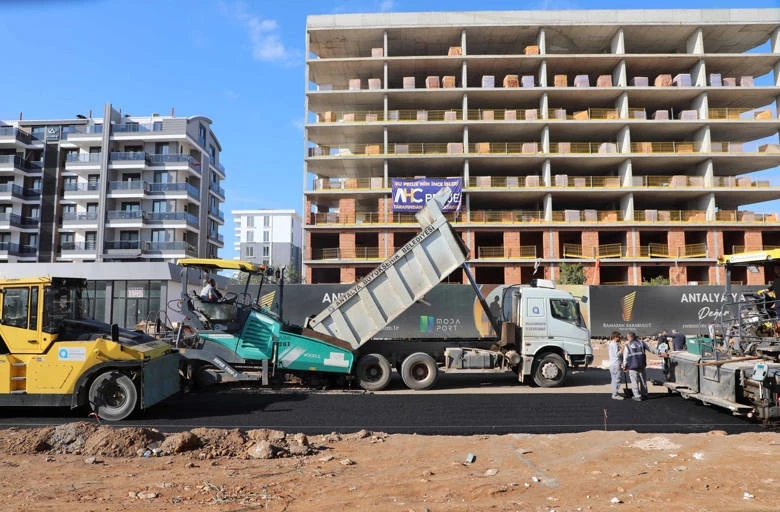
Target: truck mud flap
(161, 379)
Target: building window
(202, 136)
(250, 236)
(249, 252)
(90, 240)
(266, 221)
(212, 154)
(250, 222)
(266, 236)
(266, 251)
(157, 126)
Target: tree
(572, 273)
(656, 281)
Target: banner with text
(410, 195)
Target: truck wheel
(373, 372)
(113, 396)
(550, 371)
(419, 371)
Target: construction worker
(615, 359)
(635, 361)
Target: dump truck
(734, 361)
(543, 337)
(53, 354)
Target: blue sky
(239, 63)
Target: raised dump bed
(381, 296)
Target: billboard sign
(410, 195)
(647, 310)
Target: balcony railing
(79, 217)
(16, 133)
(81, 187)
(658, 250)
(125, 245)
(83, 157)
(128, 186)
(506, 252)
(179, 246)
(216, 188)
(217, 213)
(735, 249)
(137, 127)
(15, 249)
(160, 159)
(129, 156)
(365, 116)
(346, 253)
(78, 246)
(161, 188)
(126, 215)
(602, 251)
(17, 162)
(745, 216)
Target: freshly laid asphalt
(459, 405)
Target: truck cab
(550, 331)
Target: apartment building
(269, 237)
(110, 188)
(631, 142)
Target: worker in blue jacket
(635, 362)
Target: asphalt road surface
(462, 405)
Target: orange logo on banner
(627, 306)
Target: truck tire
(550, 371)
(419, 371)
(373, 372)
(113, 396)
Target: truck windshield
(567, 310)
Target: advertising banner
(647, 310)
(410, 195)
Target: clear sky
(240, 63)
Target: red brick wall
(753, 241)
(678, 275)
(347, 210)
(347, 275)
(512, 274)
(714, 246)
(512, 244)
(676, 240)
(590, 243)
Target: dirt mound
(122, 442)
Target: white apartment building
(109, 188)
(268, 237)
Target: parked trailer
(736, 364)
(543, 338)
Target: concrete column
(464, 77)
(466, 173)
(465, 103)
(627, 207)
(384, 47)
(777, 82)
(619, 75)
(699, 74)
(695, 43)
(774, 41)
(701, 140)
(547, 204)
(545, 142)
(707, 203)
(544, 106)
(701, 105)
(465, 138)
(547, 173)
(541, 41)
(618, 43)
(707, 170)
(463, 41)
(542, 78)
(621, 105)
(624, 141)
(626, 174)
(385, 176)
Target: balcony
(169, 248)
(123, 247)
(133, 127)
(13, 134)
(214, 187)
(81, 190)
(175, 160)
(601, 251)
(170, 217)
(16, 163)
(8, 190)
(337, 184)
(656, 250)
(75, 248)
(173, 189)
(13, 249)
(506, 252)
(123, 218)
(135, 157)
(85, 219)
(347, 253)
(77, 161)
(214, 212)
(216, 237)
(135, 188)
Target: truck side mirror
(584, 299)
